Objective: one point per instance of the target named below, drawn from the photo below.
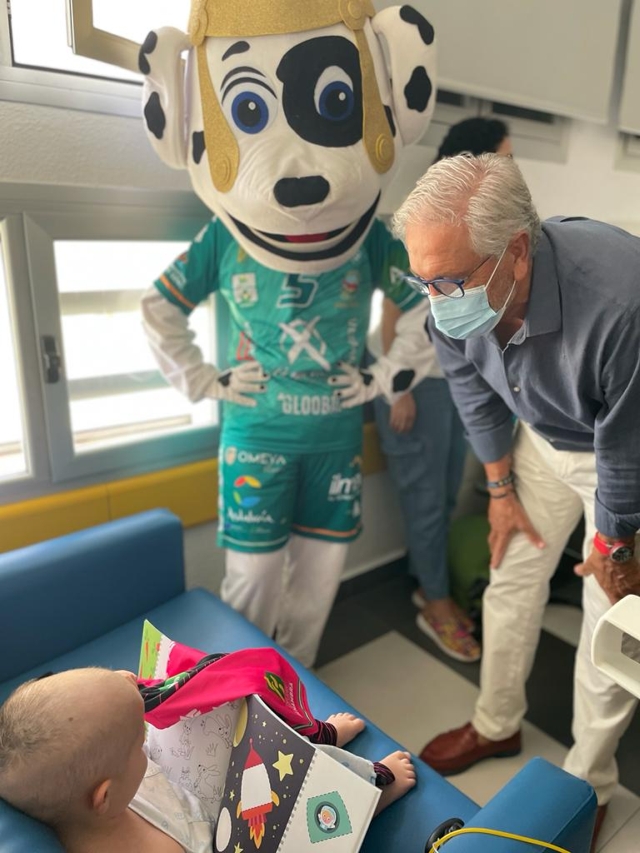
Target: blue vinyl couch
(80, 600)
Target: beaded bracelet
(498, 484)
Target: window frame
(34, 439)
(69, 90)
(33, 217)
(94, 43)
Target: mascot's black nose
(294, 192)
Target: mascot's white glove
(232, 385)
(181, 361)
(412, 357)
(356, 386)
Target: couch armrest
(541, 801)
(58, 595)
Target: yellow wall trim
(190, 491)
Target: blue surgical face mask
(468, 316)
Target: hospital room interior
(320, 370)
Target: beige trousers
(555, 487)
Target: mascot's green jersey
(298, 327)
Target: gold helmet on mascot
(289, 115)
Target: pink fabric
(251, 671)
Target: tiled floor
(372, 629)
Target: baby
(71, 755)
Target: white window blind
(629, 116)
(557, 56)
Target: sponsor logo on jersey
(242, 516)
(245, 289)
(344, 488)
(302, 338)
(250, 457)
(304, 405)
(243, 488)
(350, 284)
(275, 684)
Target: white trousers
(287, 593)
(555, 487)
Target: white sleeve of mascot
(171, 340)
(411, 358)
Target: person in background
(540, 321)
(423, 439)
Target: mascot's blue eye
(336, 101)
(250, 112)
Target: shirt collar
(544, 313)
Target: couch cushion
(199, 619)
(59, 594)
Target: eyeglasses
(451, 287)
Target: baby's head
(71, 746)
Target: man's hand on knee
(508, 517)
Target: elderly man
(541, 322)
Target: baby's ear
(101, 798)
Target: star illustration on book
(232, 795)
(283, 765)
(237, 849)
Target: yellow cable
(437, 844)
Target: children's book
(265, 786)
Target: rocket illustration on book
(257, 798)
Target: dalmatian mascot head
(289, 114)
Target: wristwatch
(617, 552)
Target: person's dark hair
(475, 135)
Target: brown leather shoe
(459, 749)
(601, 813)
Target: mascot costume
(288, 115)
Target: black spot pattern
(392, 124)
(402, 380)
(225, 379)
(198, 145)
(154, 116)
(412, 16)
(367, 377)
(418, 90)
(147, 46)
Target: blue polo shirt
(573, 369)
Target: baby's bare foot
(347, 727)
(402, 768)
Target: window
(116, 393)
(13, 461)
(85, 399)
(38, 39)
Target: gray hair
(487, 194)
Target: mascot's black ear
(160, 61)
(411, 51)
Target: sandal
(451, 637)
(418, 600)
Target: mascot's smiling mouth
(352, 234)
